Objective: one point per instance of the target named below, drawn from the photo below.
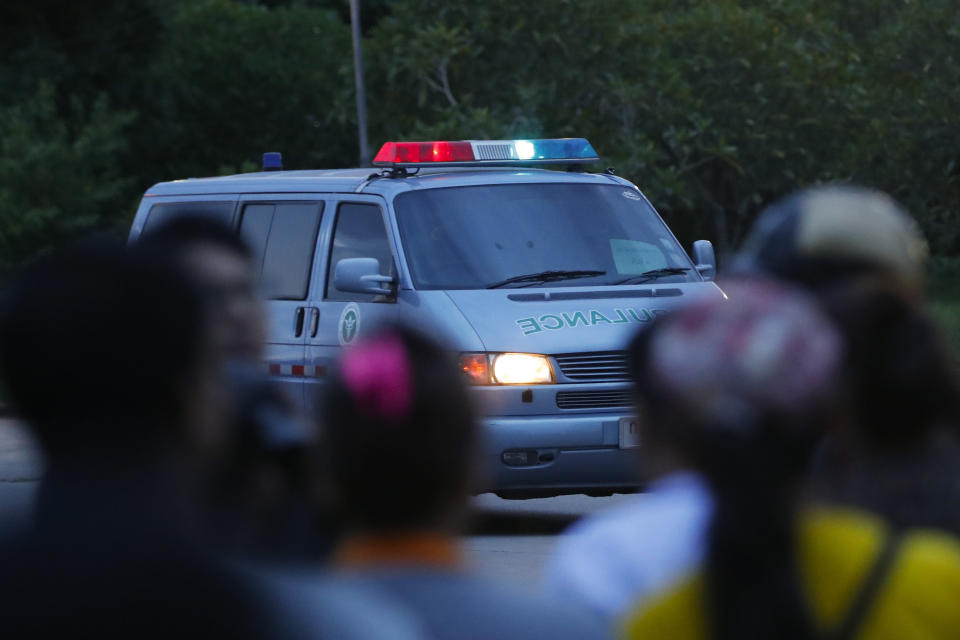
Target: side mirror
(704, 259)
(362, 275)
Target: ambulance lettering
(588, 318)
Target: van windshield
(480, 236)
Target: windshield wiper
(653, 274)
(547, 276)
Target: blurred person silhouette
(608, 561)
(900, 455)
(107, 357)
(862, 255)
(222, 264)
(752, 383)
(401, 448)
(827, 236)
(267, 507)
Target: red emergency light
(486, 152)
(417, 152)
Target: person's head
(863, 256)
(222, 265)
(400, 435)
(746, 386)
(902, 379)
(766, 359)
(665, 449)
(101, 347)
(822, 235)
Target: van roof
(368, 180)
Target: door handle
(298, 322)
(314, 321)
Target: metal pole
(358, 80)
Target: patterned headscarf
(765, 349)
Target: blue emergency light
(272, 161)
(486, 152)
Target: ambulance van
(537, 277)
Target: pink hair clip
(377, 375)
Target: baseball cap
(824, 233)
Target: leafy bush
(57, 175)
(233, 80)
(944, 289)
(713, 108)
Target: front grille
(593, 399)
(602, 366)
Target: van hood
(570, 319)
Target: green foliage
(84, 47)
(209, 84)
(234, 80)
(944, 293)
(909, 138)
(713, 108)
(56, 175)
(741, 105)
(535, 67)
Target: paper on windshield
(633, 257)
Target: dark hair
(660, 420)
(96, 341)
(752, 574)
(405, 471)
(902, 380)
(754, 467)
(187, 230)
(902, 462)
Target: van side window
(283, 237)
(159, 213)
(359, 233)
(254, 229)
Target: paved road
(510, 539)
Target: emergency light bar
(486, 152)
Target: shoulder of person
(677, 614)
(452, 601)
(316, 604)
(924, 578)
(839, 547)
(529, 614)
(636, 533)
(606, 526)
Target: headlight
(476, 367)
(506, 368)
(522, 368)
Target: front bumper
(568, 454)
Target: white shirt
(611, 561)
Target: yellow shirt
(919, 598)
